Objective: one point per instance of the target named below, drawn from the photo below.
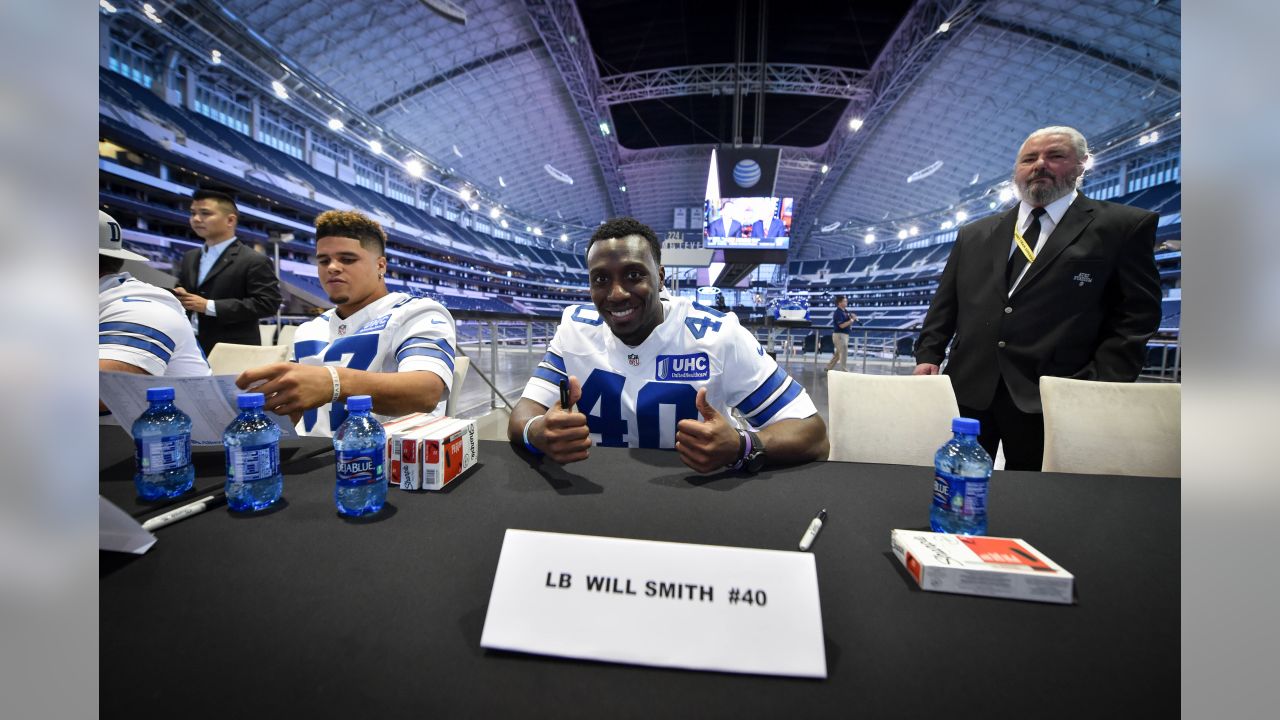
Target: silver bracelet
(337, 384)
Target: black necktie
(1017, 260)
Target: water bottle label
(361, 467)
(959, 494)
(163, 453)
(246, 463)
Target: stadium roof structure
(513, 99)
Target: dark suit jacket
(1085, 308)
(715, 228)
(244, 287)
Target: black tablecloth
(300, 612)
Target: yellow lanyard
(1024, 247)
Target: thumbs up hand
(562, 433)
(709, 444)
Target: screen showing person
(750, 222)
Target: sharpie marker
(184, 512)
(564, 395)
(812, 532)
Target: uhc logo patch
(684, 367)
(374, 325)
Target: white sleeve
(141, 333)
(544, 385)
(425, 340)
(761, 390)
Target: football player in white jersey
(647, 371)
(142, 329)
(397, 348)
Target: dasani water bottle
(962, 471)
(252, 440)
(162, 440)
(360, 445)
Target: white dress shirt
(1053, 213)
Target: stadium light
(475, 206)
(501, 182)
(961, 216)
(465, 194)
(869, 238)
(1006, 194)
(279, 89)
(413, 166)
(215, 57)
(604, 129)
(947, 225)
(376, 147)
(335, 124)
(826, 169)
(623, 188)
(494, 212)
(564, 237)
(993, 204)
(945, 26)
(504, 225)
(150, 12)
(537, 231)
(528, 228)
(111, 9)
(913, 231)
(902, 234)
(855, 124)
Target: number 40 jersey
(634, 396)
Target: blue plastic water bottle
(962, 471)
(162, 440)
(252, 440)
(360, 445)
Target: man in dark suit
(1075, 293)
(231, 284)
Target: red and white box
(977, 565)
(394, 429)
(435, 453)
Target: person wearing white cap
(142, 329)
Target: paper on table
(700, 607)
(119, 532)
(210, 401)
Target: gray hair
(1078, 143)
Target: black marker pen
(564, 395)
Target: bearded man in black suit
(1073, 293)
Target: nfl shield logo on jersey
(634, 359)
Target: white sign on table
(210, 401)
(699, 607)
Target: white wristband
(337, 385)
(528, 445)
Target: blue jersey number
(355, 352)
(605, 388)
(700, 326)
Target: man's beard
(1041, 195)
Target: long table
(299, 612)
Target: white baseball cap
(109, 242)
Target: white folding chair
(898, 419)
(461, 365)
(1108, 428)
(233, 359)
(286, 335)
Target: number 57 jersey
(635, 396)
